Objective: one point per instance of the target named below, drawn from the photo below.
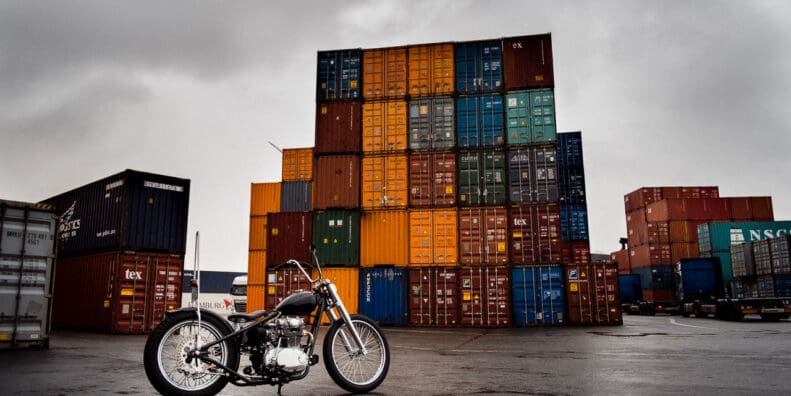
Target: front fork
(348, 319)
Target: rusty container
(384, 126)
(434, 296)
(527, 62)
(592, 294)
(338, 128)
(384, 181)
(577, 252)
(290, 236)
(483, 236)
(485, 295)
(535, 235)
(384, 238)
(433, 237)
(297, 164)
(432, 179)
(384, 73)
(282, 283)
(431, 69)
(336, 182)
(621, 258)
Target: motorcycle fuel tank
(300, 303)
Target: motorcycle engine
(285, 352)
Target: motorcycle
(196, 352)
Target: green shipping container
(482, 178)
(336, 235)
(715, 239)
(530, 117)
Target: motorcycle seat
(240, 317)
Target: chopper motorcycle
(196, 352)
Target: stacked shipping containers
(762, 267)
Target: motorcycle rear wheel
(165, 355)
(351, 371)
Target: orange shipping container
(264, 198)
(255, 297)
(384, 73)
(298, 164)
(384, 183)
(257, 232)
(433, 237)
(431, 69)
(384, 238)
(256, 267)
(384, 126)
(347, 280)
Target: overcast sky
(664, 92)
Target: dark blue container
(539, 297)
(479, 121)
(782, 285)
(295, 196)
(659, 277)
(574, 222)
(339, 75)
(629, 288)
(570, 149)
(383, 295)
(571, 185)
(700, 278)
(479, 66)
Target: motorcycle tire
(165, 360)
(356, 373)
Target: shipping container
(383, 295)
(258, 233)
(430, 69)
(780, 247)
(650, 254)
(384, 126)
(742, 260)
(296, 196)
(592, 294)
(336, 182)
(290, 236)
(485, 296)
(535, 234)
(570, 150)
(715, 239)
(297, 164)
(684, 230)
(641, 197)
(699, 278)
(661, 296)
(532, 175)
(479, 66)
(482, 178)
(710, 209)
(118, 292)
(432, 179)
(264, 198)
(433, 296)
(483, 236)
(131, 210)
(577, 252)
(384, 238)
(27, 244)
(280, 284)
(339, 74)
(530, 117)
(432, 123)
(629, 288)
(539, 296)
(385, 181)
(571, 185)
(384, 73)
(527, 62)
(256, 267)
(479, 121)
(433, 237)
(256, 296)
(762, 257)
(347, 281)
(336, 235)
(574, 222)
(338, 128)
(656, 277)
(621, 258)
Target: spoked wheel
(166, 361)
(348, 367)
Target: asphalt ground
(659, 355)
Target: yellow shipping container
(433, 237)
(384, 126)
(257, 232)
(385, 182)
(255, 297)
(256, 267)
(347, 281)
(431, 69)
(384, 73)
(298, 164)
(264, 198)
(384, 238)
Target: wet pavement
(648, 355)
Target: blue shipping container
(479, 66)
(383, 295)
(629, 288)
(782, 285)
(574, 222)
(339, 75)
(699, 278)
(538, 295)
(571, 185)
(479, 121)
(295, 196)
(570, 149)
(660, 277)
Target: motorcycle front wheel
(165, 356)
(350, 369)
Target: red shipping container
(281, 284)
(338, 128)
(120, 292)
(659, 295)
(289, 237)
(650, 254)
(683, 250)
(636, 227)
(485, 296)
(577, 252)
(483, 236)
(698, 192)
(621, 258)
(643, 196)
(432, 179)
(657, 232)
(336, 182)
(527, 62)
(433, 297)
(711, 209)
(535, 234)
(592, 294)
(684, 230)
